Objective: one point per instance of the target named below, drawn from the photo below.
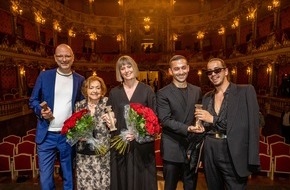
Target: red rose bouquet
(81, 125)
(141, 121)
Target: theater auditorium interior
(251, 36)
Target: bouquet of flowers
(142, 122)
(81, 125)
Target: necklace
(92, 105)
(65, 75)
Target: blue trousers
(46, 158)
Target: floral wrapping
(96, 136)
(79, 125)
(142, 122)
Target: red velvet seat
(274, 138)
(24, 157)
(264, 147)
(12, 139)
(266, 163)
(7, 151)
(158, 158)
(281, 164)
(280, 155)
(31, 131)
(29, 137)
(23, 162)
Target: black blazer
(175, 120)
(242, 127)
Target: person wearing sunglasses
(230, 116)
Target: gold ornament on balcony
(39, 18)
(147, 28)
(71, 33)
(174, 37)
(251, 14)
(56, 26)
(15, 8)
(221, 30)
(248, 71)
(236, 23)
(93, 36)
(269, 69)
(119, 37)
(200, 35)
(274, 6)
(199, 72)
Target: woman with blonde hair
(135, 169)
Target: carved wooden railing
(273, 105)
(14, 108)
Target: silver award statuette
(110, 113)
(198, 122)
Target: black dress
(135, 170)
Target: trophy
(198, 122)
(44, 106)
(110, 113)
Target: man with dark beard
(175, 108)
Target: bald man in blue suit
(60, 88)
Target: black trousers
(219, 171)
(173, 172)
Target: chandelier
(147, 28)
(147, 24)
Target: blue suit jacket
(44, 91)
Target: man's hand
(46, 112)
(203, 115)
(195, 129)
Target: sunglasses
(216, 71)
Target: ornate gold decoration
(15, 7)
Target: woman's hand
(82, 139)
(130, 137)
(110, 121)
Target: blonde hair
(123, 60)
(89, 80)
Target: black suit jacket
(242, 127)
(175, 120)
